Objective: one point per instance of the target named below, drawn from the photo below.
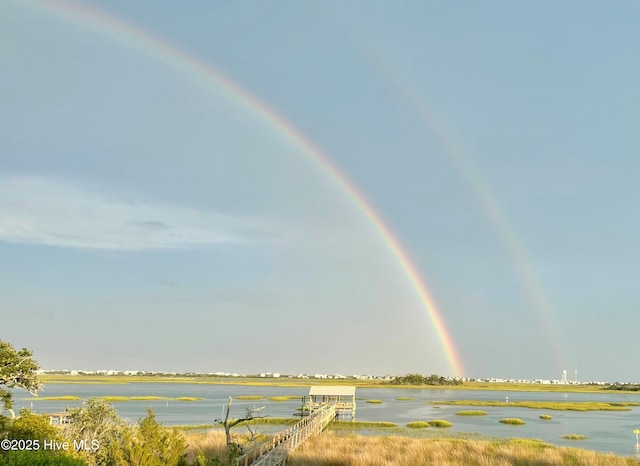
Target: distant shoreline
(289, 382)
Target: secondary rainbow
(457, 154)
(133, 37)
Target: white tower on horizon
(564, 376)
(576, 375)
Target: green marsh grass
(405, 398)
(439, 423)
(112, 399)
(357, 425)
(574, 436)
(284, 398)
(147, 398)
(546, 417)
(374, 401)
(471, 413)
(187, 427)
(554, 405)
(249, 397)
(55, 398)
(418, 425)
(295, 382)
(274, 421)
(514, 421)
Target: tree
(17, 369)
(229, 423)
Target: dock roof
(332, 390)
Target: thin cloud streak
(45, 211)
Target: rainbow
(131, 36)
(457, 154)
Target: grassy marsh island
(574, 436)
(284, 398)
(514, 421)
(374, 401)
(54, 398)
(439, 423)
(418, 425)
(119, 399)
(471, 413)
(545, 417)
(554, 405)
(405, 398)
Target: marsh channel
(606, 431)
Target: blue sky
(148, 221)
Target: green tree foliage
(417, 379)
(38, 458)
(36, 427)
(17, 369)
(29, 425)
(151, 444)
(97, 420)
(632, 387)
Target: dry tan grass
(211, 443)
(330, 449)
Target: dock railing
(275, 451)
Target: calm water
(606, 430)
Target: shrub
(513, 421)
(97, 420)
(151, 444)
(29, 425)
(38, 458)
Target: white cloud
(46, 211)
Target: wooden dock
(344, 397)
(275, 452)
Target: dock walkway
(275, 452)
